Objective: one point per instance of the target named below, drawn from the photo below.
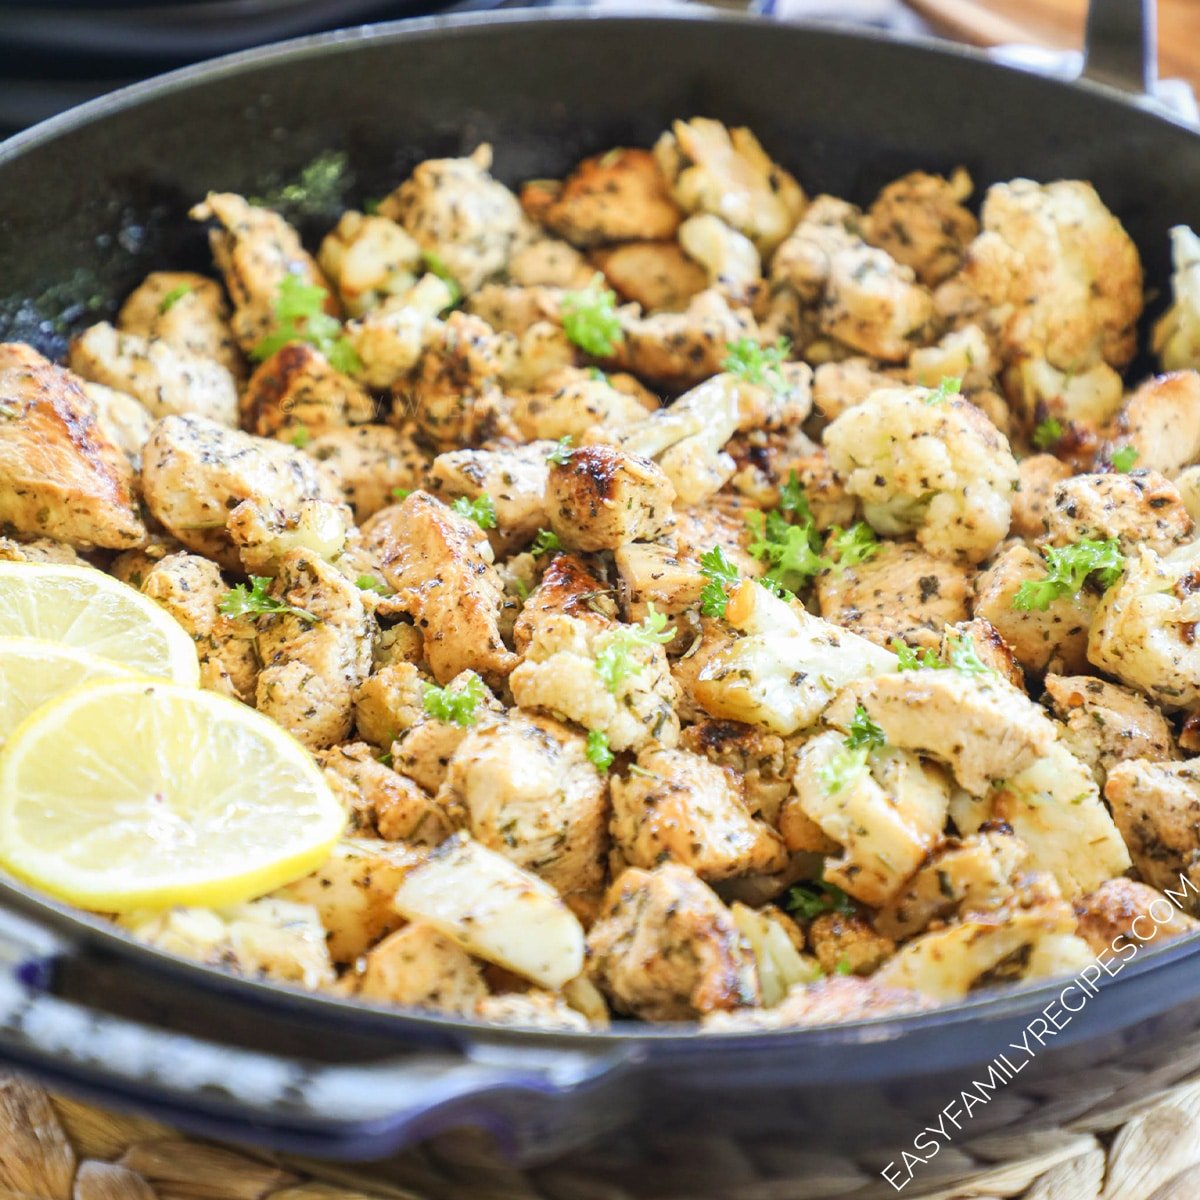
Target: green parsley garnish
(1067, 568)
(435, 265)
(721, 575)
(300, 437)
(864, 731)
(1122, 460)
(792, 551)
(813, 897)
(950, 386)
(598, 753)
(849, 762)
(792, 498)
(369, 583)
(481, 510)
(762, 365)
(598, 375)
(521, 588)
(615, 663)
(253, 602)
(300, 316)
(854, 545)
(399, 493)
(546, 542)
(173, 297)
(843, 967)
(910, 660)
(318, 190)
(561, 452)
(1047, 433)
(964, 658)
(455, 708)
(589, 318)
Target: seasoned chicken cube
(666, 949)
(980, 639)
(381, 802)
(370, 463)
(121, 418)
(369, 259)
(525, 788)
(1123, 908)
(1055, 637)
(390, 339)
(980, 726)
(185, 310)
(388, 702)
(825, 1002)
(49, 551)
(1176, 336)
(1156, 806)
(1161, 421)
(548, 262)
(828, 499)
(191, 589)
(567, 588)
(885, 811)
(657, 275)
(418, 967)
(255, 249)
(312, 663)
(456, 211)
(940, 470)
(60, 475)
(847, 945)
(1038, 476)
(297, 393)
(679, 807)
(728, 257)
(760, 761)
(440, 567)
(710, 168)
(900, 591)
(601, 497)
(1140, 508)
(1106, 724)
(840, 385)
(196, 472)
(263, 534)
(531, 1010)
(921, 221)
(511, 309)
(570, 402)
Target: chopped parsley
(454, 707)
(950, 386)
(1067, 569)
(616, 663)
(596, 374)
(1047, 433)
(963, 656)
(854, 545)
(598, 753)
(721, 575)
(318, 189)
(849, 762)
(369, 583)
(300, 316)
(300, 437)
(911, 660)
(435, 265)
(813, 897)
(792, 498)
(546, 542)
(864, 731)
(1122, 460)
(792, 552)
(762, 365)
(253, 602)
(481, 510)
(173, 297)
(562, 452)
(589, 318)
(399, 493)
(843, 967)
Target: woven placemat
(56, 1149)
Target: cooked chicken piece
(455, 399)
(525, 788)
(570, 402)
(729, 258)
(619, 196)
(1106, 724)
(263, 534)
(760, 761)
(601, 497)
(531, 1010)
(1156, 806)
(679, 807)
(543, 352)
(508, 308)
(1055, 638)
(786, 668)
(1143, 632)
(1140, 508)
(678, 350)
(121, 419)
(196, 472)
(297, 393)
(921, 221)
(369, 259)
(657, 275)
(312, 664)
(60, 475)
(255, 249)
(886, 810)
(567, 588)
(1161, 421)
(712, 169)
(847, 945)
(901, 591)
(1176, 336)
(980, 726)
(191, 589)
(548, 262)
(381, 802)
(939, 469)
(440, 566)
(1187, 484)
(1038, 474)
(825, 1002)
(352, 891)
(417, 967)
(777, 943)
(666, 949)
(185, 310)
(456, 211)
(390, 339)
(514, 478)
(370, 463)
(1125, 909)
(389, 701)
(838, 386)
(49, 551)
(268, 938)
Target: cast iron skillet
(92, 200)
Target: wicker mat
(56, 1149)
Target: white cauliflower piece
(776, 943)
(390, 338)
(1176, 337)
(730, 258)
(368, 259)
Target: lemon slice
(33, 671)
(83, 607)
(139, 794)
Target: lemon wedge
(139, 794)
(84, 608)
(33, 671)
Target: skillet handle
(1121, 46)
(536, 1101)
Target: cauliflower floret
(729, 258)
(368, 259)
(657, 275)
(712, 169)
(370, 463)
(777, 944)
(1123, 908)
(840, 385)
(1140, 508)
(419, 968)
(941, 469)
(390, 339)
(532, 1010)
(1176, 337)
(1084, 401)
(263, 534)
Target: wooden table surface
(1059, 23)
